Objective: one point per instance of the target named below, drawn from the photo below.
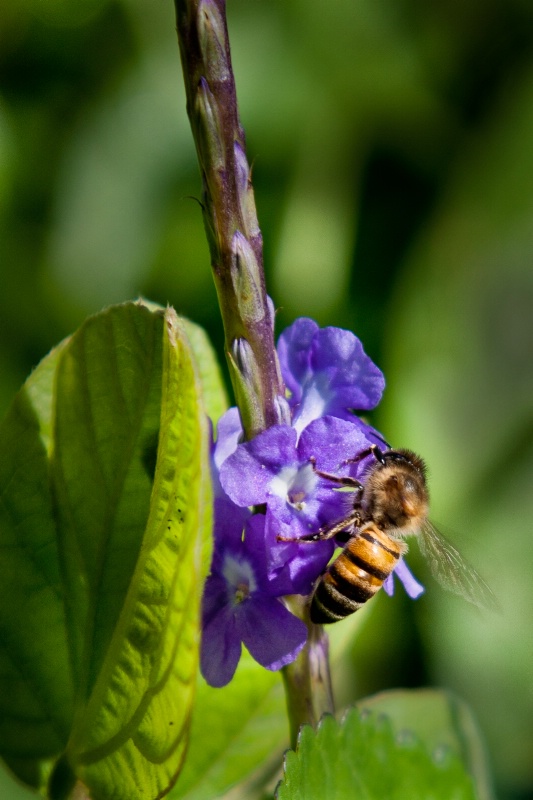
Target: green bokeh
(392, 144)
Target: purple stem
(236, 249)
(230, 218)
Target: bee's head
(396, 495)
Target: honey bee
(392, 503)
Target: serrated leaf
(103, 560)
(363, 757)
(235, 731)
(440, 720)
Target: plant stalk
(236, 251)
(307, 680)
(230, 217)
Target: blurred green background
(392, 150)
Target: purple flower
(269, 487)
(276, 468)
(241, 605)
(327, 373)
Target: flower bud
(247, 381)
(211, 126)
(244, 359)
(245, 193)
(246, 279)
(213, 41)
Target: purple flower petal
(296, 566)
(215, 598)
(293, 572)
(413, 588)
(229, 431)
(294, 352)
(245, 476)
(271, 633)
(239, 606)
(355, 377)
(229, 521)
(330, 441)
(327, 440)
(221, 648)
(327, 372)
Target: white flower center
(294, 485)
(240, 578)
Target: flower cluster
(268, 487)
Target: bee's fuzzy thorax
(395, 494)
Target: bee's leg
(327, 532)
(344, 480)
(373, 450)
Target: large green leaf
(103, 558)
(213, 389)
(214, 394)
(365, 757)
(37, 692)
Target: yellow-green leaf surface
(104, 519)
(213, 389)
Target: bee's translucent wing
(452, 571)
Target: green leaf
(364, 757)
(213, 389)
(236, 732)
(440, 720)
(36, 694)
(102, 560)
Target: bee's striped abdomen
(355, 576)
